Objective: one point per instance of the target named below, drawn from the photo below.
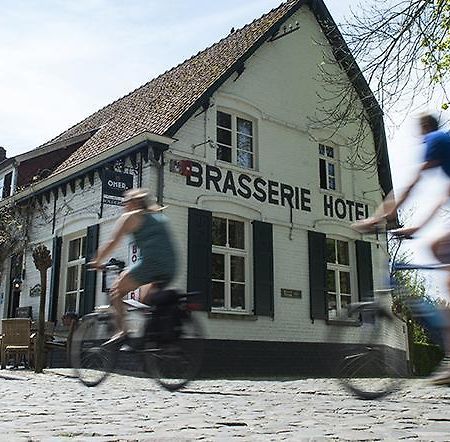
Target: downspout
(160, 190)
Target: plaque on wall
(290, 293)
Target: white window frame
(337, 268)
(65, 265)
(227, 251)
(234, 133)
(330, 161)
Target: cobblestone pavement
(56, 407)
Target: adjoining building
(261, 200)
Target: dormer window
(235, 139)
(6, 185)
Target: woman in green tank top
(157, 261)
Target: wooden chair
(16, 341)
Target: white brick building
(260, 202)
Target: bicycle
(368, 367)
(166, 334)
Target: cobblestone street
(55, 406)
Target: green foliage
(437, 43)
(426, 357)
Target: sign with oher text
(114, 185)
(243, 185)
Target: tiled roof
(160, 104)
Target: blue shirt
(437, 148)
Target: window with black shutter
(263, 275)
(7, 184)
(54, 279)
(89, 279)
(200, 254)
(317, 275)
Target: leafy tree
(13, 232)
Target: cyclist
(156, 265)
(437, 155)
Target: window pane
(224, 136)
(344, 282)
(218, 294)
(74, 249)
(238, 296)
(218, 266)
(343, 256)
(331, 169)
(245, 143)
(345, 302)
(330, 152)
(72, 279)
(332, 306)
(83, 267)
(223, 120)
(331, 252)
(237, 269)
(245, 159)
(244, 126)
(71, 302)
(321, 149)
(331, 183)
(331, 281)
(224, 153)
(219, 231)
(236, 234)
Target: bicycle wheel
(368, 367)
(92, 362)
(175, 363)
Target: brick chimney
(2, 154)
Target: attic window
(6, 185)
(235, 139)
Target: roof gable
(164, 104)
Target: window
(76, 254)
(339, 276)
(328, 165)
(229, 265)
(6, 185)
(235, 140)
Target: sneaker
(442, 375)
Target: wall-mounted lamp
(17, 284)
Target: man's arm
(407, 231)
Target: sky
(62, 60)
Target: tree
(43, 261)
(13, 232)
(402, 47)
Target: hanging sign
(114, 185)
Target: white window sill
(244, 316)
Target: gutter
(144, 139)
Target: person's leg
(146, 293)
(125, 283)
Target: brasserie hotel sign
(271, 192)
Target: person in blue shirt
(157, 263)
(436, 156)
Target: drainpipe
(161, 180)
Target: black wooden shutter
(323, 174)
(87, 303)
(54, 279)
(364, 266)
(317, 275)
(263, 268)
(200, 254)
